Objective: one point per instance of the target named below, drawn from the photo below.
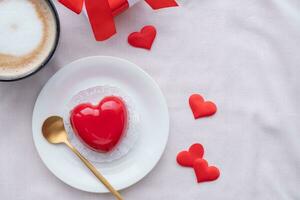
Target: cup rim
(51, 53)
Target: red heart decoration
(187, 158)
(100, 127)
(201, 108)
(204, 172)
(144, 38)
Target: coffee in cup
(29, 31)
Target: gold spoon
(54, 132)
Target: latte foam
(28, 32)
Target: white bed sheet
(244, 55)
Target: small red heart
(187, 158)
(100, 127)
(144, 38)
(201, 108)
(204, 172)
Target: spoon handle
(95, 172)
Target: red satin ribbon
(101, 13)
(119, 6)
(158, 4)
(101, 20)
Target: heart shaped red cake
(100, 127)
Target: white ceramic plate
(150, 103)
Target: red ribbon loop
(101, 13)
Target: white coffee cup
(29, 34)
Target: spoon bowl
(54, 131)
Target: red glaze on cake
(100, 127)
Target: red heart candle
(100, 127)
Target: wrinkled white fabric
(243, 55)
